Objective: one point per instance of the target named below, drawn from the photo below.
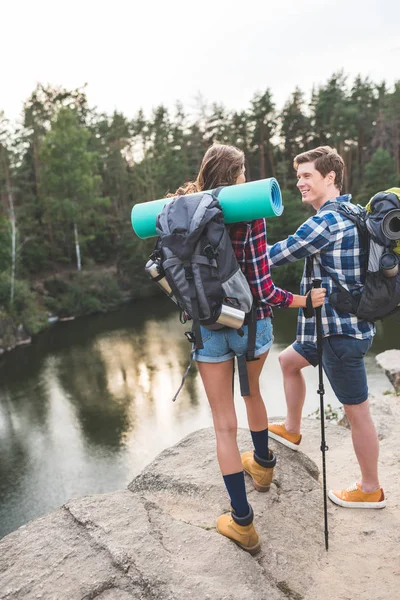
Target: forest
(69, 176)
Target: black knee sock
(237, 493)
(260, 441)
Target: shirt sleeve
(257, 269)
(311, 237)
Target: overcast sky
(139, 54)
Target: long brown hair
(221, 165)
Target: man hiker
(330, 244)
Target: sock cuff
(267, 463)
(246, 520)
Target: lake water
(88, 404)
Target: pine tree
(71, 185)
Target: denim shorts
(224, 344)
(343, 363)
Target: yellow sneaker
(259, 469)
(240, 530)
(355, 497)
(280, 434)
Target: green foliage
(289, 276)
(25, 309)
(379, 175)
(132, 257)
(70, 183)
(295, 132)
(331, 414)
(5, 244)
(33, 256)
(83, 294)
(73, 169)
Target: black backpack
(378, 226)
(194, 262)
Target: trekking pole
(321, 392)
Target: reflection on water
(88, 404)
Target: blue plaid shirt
(332, 241)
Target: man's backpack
(378, 226)
(197, 267)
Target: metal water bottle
(389, 264)
(154, 269)
(231, 317)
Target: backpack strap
(243, 359)
(359, 221)
(186, 373)
(198, 340)
(252, 332)
(243, 375)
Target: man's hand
(318, 296)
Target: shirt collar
(343, 198)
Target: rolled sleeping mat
(242, 202)
(391, 224)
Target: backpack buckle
(189, 273)
(232, 302)
(209, 252)
(347, 209)
(155, 255)
(190, 337)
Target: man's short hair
(325, 160)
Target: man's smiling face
(314, 188)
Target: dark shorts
(225, 343)
(343, 363)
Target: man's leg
(343, 361)
(292, 361)
(294, 385)
(365, 442)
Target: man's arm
(309, 239)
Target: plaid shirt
(332, 241)
(249, 241)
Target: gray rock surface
(389, 361)
(157, 540)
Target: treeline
(69, 175)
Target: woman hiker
(224, 165)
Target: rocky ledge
(157, 540)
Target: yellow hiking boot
(260, 470)
(355, 497)
(240, 530)
(280, 434)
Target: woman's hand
(318, 296)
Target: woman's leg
(260, 463)
(256, 412)
(238, 526)
(217, 380)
